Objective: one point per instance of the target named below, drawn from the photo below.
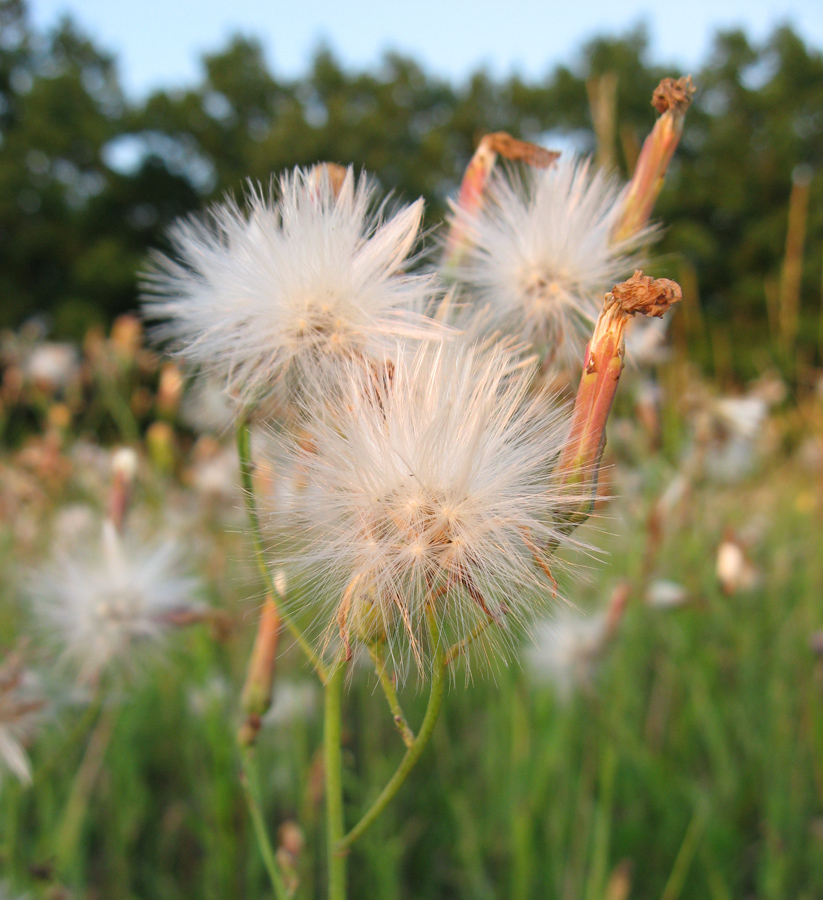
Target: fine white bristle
(430, 492)
(540, 253)
(100, 602)
(310, 276)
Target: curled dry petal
(519, 151)
(673, 93)
(478, 171)
(644, 294)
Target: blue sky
(158, 42)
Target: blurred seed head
(568, 646)
(566, 649)
(100, 604)
(52, 366)
(542, 253)
(663, 594)
(735, 571)
(22, 705)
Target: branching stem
(414, 751)
(386, 682)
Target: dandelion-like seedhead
(312, 275)
(430, 500)
(101, 604)
(540, 253)
(21, 708)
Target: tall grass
(689, 766)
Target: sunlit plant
(436, 481)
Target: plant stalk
(335, 825)
(379, 660)
(409, 760)
(244, 454)
(251, 790)
(71, 826)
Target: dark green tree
(89, 181)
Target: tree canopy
(89, 179)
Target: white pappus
(101, 603)
(541, 255)
(432, 502)
(311, 275)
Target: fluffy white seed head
(541, 253)
(431, 495)
(99, 605)
(21, 708)
(310, 275)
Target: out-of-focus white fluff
(566, 649)
(99, 604)
(541, 254)
(21, 707)
(431, 484)
(307, 278)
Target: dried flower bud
(602, 367)
(170, 389)
(127, 336)
(59, 417)
(291, 838)
(124, 469)
(671, 98)
(290, 846)
(646, 295)
(257, 690)
(674, 94)
(335, 173)
(161, 445)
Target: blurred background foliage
(687, 760)
(90, 179)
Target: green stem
(118, 407)
(334, 784)
(244, 453)
(683, 860)
(251, 789)
(409, 760)
(74, 814)
(379, 660)
(43, 772)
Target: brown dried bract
(520, 151)
(333, 171)
(644, 294)
(673, 94)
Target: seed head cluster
(21, 708)
(100, 605)
(425, 504)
